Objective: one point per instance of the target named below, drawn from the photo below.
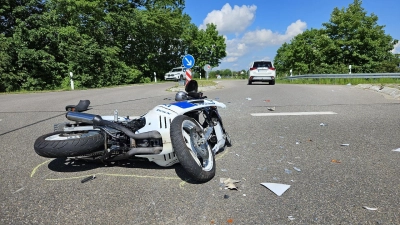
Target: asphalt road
(335, 183)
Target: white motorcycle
(188, 131)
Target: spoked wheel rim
(72, 135)
(207, 163)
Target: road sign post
(207, 68)
(188, 62)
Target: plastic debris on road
(291, 218)
(288, 171)
(335, 161)
(297, 169)
(369, 208)
(271, 109)
(323, 124)
(278, 189)
(229, 183)
(88, 178)
(248, 99)
(344, 144)
(396, 150)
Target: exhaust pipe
(81, 117)
(96, 120)
(137, 151)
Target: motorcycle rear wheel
(201, 170)
(62, 144)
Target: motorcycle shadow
(67, 165)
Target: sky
(255, 29)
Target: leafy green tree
(358, 38)
(207, 46)
(351, 37)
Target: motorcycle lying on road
(188, 131)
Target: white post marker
(350, 69)
(155, 77)
(72, 81)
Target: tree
(206, 46)
(351, 37)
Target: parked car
(261, 71)
(177, 73)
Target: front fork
(217, 126)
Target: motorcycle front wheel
(185, 135)
(68, 144)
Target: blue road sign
(188, 61)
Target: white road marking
(293, 114)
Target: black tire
(272, 82)
(248, 82)
(180, 139)
(62, 144)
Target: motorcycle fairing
(160, 119)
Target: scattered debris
(291, 218)
(344, 144)
(88, 179)
(168, 99)
(288, 171)
(229, 183)
(278, 189)
(267, 100)
(230, 221)
(396, 150)
(369, 208)
(237, 154)
(298, 142)
(217, 98)
(290, 163)
(271, 109)
(244, 195)
(323, 124)
(297, 169)
(335, 161)
(248, 99)
(226, 196)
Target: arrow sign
(188, 61)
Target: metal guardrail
(353, 75)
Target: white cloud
(258, 39)
(231, 20)
(396, 49)
(266, 37)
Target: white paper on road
(278, 189)
(396, 150)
